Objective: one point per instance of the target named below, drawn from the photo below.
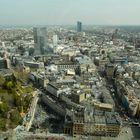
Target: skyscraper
(55, 40)
(40, 39)
(79, 26)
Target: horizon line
(69, 24)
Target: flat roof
(99, 119)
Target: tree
(14, 79)
(4, 108)
(17, 100)
(15, 116)
(9, 85)
(27, 101)
(2, 80)
(2, 124)
(28, 89)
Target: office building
(34, 65)
(55, 40)
(40, 40)
(79, 26)
(78, 96)
(102, 123)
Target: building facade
(79, 26)
(40, 40)
(4, 63)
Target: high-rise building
(79, 26)
(55, 40)
(40, 39)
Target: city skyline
(62, 12)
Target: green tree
(27, 101)
(14, 78)
(2, 124)
(15, 116)
(2, 80)
(13, 91)
(9, 85)
(28, 89)
(4, 108)
(17, 100)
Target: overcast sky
(68, 12)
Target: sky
(68, 12)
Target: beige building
(101, 123)
(109, 71)
(103, 106)
(78, 122)
(90, 121)
(78, 96)
(78, 128)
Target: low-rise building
(78, 122)
(102, 123)
(78, 96)
(66, 65)
(56, 89)
(34, 65)
(38, 79)
(103, 106)
(91, 121)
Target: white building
(55, 40)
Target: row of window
(67, 66)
